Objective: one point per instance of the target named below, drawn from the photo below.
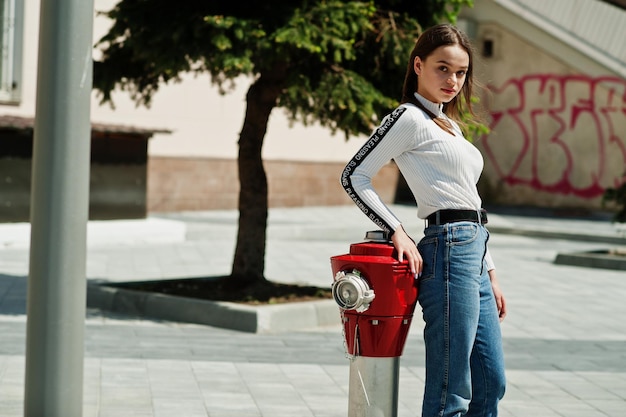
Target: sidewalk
(565, 336)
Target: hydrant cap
(351, 291)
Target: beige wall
(177, 184)
(202, 122)
(194, 167)
(558, 134)
(206, 124)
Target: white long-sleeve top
(441, 170)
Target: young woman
(462, 304)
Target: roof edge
(521, 19)
(28, 123)
(607, 60)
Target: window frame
(11, 44)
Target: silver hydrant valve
(351, 291)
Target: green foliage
(340, 63)
(473, 127)
(617, 195)
(328, 30)
(344, 60)
(448, 12)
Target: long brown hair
(441, 35)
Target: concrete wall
(117, 182)
(558, 126)
(179, 184)
(205, 124)
(117, 191)
(194, 166)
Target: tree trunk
(249, 261)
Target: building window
(12, 18)
(488, 48)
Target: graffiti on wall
(563, 134)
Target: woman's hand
(406, 248)
(497, 292)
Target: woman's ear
(417, 65)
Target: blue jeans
(464, 359)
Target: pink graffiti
(565, 131)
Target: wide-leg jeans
(464, 359)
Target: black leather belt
(451, 216)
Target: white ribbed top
(441, 170)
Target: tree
(338, 63)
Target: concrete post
(59, 211)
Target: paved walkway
(564, 337)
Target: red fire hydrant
(376, 295)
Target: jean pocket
(427, 248)
(463, 234)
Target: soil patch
(221, 289)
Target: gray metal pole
(59, 211)
(374, 387)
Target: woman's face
(442, 73)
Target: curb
(301, 315)
(553, 234)
(234, 316)
(592, 259)
(105, 232)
